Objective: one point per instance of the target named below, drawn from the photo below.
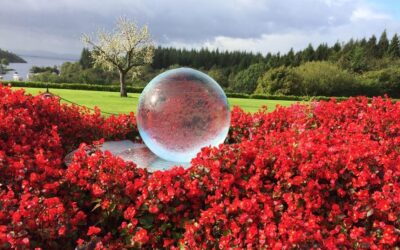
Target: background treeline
(369, 66)
(10, 57)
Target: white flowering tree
(127, 48)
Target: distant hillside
(11, 57)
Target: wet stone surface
(135, 152)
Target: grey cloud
(60, 23)
(189, 21)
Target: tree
(337, 47)
(372, 47)
(219, 75)
(127, 48)
(11, 57)
(354, 60)
(279, 81)
(322, 52)
(86, 60)
(394, 47)
(4, 62)
(246, 80)
(3, 65)
(308, 53)
(289, 58)
(383, 44)
(71, 71)
(363, 42)
(38, 69)
(325, 78)
(384, 81)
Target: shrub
(309, 79)
(246, 80)
(220, 76)
(279, 81)
(327, 79)
(385, 81)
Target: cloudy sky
(55, 26)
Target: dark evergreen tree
(358, 60)
(289, 58)
(337, 47)
(86, 60)
(308, 54)
(348, 47)
(322, 52)
(297, 59)
(394, 47)
(363, 42)
(372, 47)
(383, 45)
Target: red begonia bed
(322, 176)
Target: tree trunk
(123, 91)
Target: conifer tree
(383, 45)
(308, 53)
(86, 60)
(394, 47)
(372, 47)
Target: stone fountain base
(138, 153)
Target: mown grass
(111, 102)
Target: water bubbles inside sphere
(180, 111)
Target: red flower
(80, 242)
(25, 241)
(153, 208)
(97, 190)
(61, 231)
(130, 213)
(141, 236)
(105, 204)
(93, 231)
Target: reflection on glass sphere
(180, 111)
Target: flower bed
(324, 176)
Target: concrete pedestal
(135, 152)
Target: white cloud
(363, 13)
(266, 43)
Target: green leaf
(146, 221)
(165, 226)
(227, 232)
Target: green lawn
(112, 103)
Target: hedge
(237, 95)
(285, 97)
(299, 98)
(115, 88)
(79, 86)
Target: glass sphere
(181, 111)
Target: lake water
(23, 68)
